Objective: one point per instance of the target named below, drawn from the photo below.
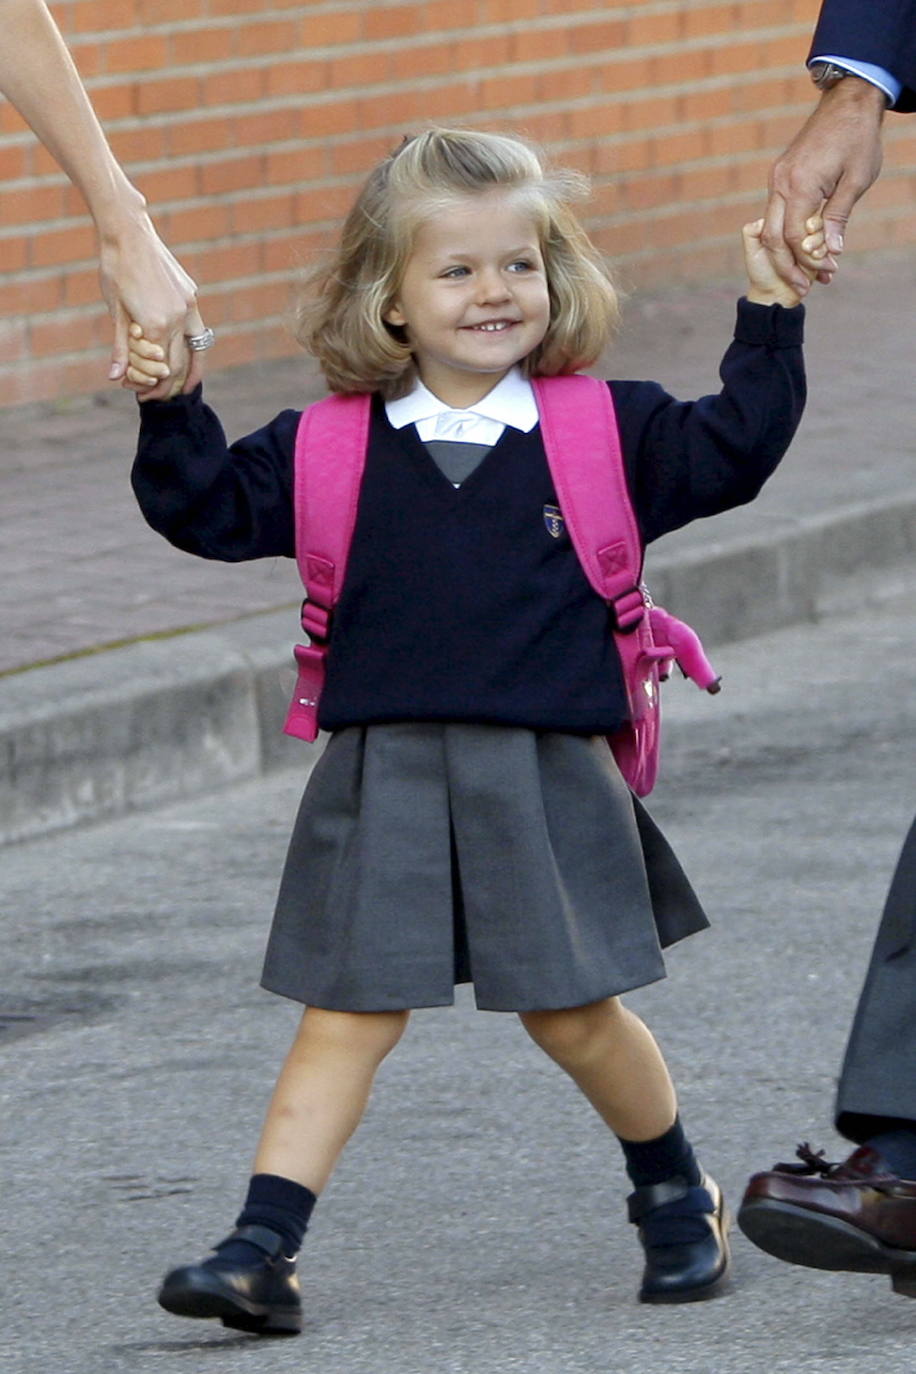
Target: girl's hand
(148, 371)
(766, 286)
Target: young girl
(467, 821)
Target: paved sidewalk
(80, 571)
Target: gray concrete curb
(162, 719)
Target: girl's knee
(369, 1034)
(568, 1034)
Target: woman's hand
(142, 282)
(140, 278)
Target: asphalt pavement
(476, 1224)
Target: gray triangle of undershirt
(456, 460)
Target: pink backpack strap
(582, 442)
(581, 438)
(330, 457)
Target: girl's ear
(394, 315)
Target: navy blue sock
(898, 1150)
(275, 1202)
(653, 1161)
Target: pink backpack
(579, 429)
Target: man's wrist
(856, 91)
(828, 69)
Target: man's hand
(830, 163)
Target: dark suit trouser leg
(877, 1089)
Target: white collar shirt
(511, 402)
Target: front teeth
(493, 327)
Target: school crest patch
(553, 519)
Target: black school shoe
(681, 1270)
(262, 1297)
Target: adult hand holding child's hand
(154, 376)
(765, 284)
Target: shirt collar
(511, 402)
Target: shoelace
(813, 1162)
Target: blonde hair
(341, 320)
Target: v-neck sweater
(469, 603)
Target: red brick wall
(248, 126)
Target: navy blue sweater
(461, 604)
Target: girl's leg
(322, 1091)
(250, 1282)
(612, 1057)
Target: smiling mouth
(491, 326)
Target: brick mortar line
(324, 8)
(436, 37)
(280, 190)
(179, 162)
(64, 359)
(72, 313)
(311, 142)
(75, 221)
(894, 133)
(343, 180)
(593, 222)
(266, 235)
(319, 100)
(655, 213)
(221, 156)
(610, 59)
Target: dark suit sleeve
(878, 31)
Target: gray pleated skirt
(425, 855)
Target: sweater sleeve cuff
(155, 414)
(770, 326)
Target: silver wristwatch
(826, 75)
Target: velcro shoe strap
(263, 1237)
(652, 1195)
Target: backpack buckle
(628, 610)
(316, 621)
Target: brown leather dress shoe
(856, 1216)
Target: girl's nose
(491, 287)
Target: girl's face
(473, 299)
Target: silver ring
(198, 342)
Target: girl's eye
(521, 265)
(454, 272)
